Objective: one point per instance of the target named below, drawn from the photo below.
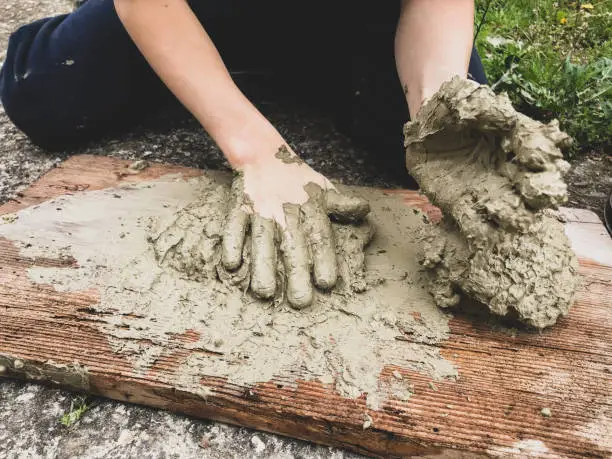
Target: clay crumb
(204, 392)
(432, 386)
(18, 364)
(397, 375)
(139, 165)
(367, 421)
(546, 412)
(287, 156)
(257, 444)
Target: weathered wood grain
(506, 376)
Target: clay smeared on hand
(298, 254)
(493, 172)
(285, 262)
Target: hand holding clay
(287, 207)
(493, 172)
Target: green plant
(78, 406)
(553, 60)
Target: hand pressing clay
(494, 173)
(275, 256)
(302, 238)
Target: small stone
(139, 165)
(204, 442)
(125, 437)
(18, 364)
(259, 445)
(546, 412)
(367, 422)
(2, 369)
(397, 375)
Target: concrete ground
(30, 414)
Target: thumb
(344, 208)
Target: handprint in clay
(493, 172)
(273, 237)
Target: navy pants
(75, 77)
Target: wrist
(253, 142)
(242, 133)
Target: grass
(78, 406)
(554, 59)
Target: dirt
(590, 181)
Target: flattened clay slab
(146, 249)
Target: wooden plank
(506, 376)
(580, 215)
(590, 240)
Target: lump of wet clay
(495, 174)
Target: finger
(562, 139)
(235, 228)
(541, 190)
(346, 208)
(263, 256)
(240, 277)
(296, 260)
(317, 228)
(351, 241)
(536, 145)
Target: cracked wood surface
(506, 376)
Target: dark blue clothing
(74, 77)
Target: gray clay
(287, 156)
(493, 171)
(165, 278)
(304, 244)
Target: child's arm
(180, 51)
(433, 43)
